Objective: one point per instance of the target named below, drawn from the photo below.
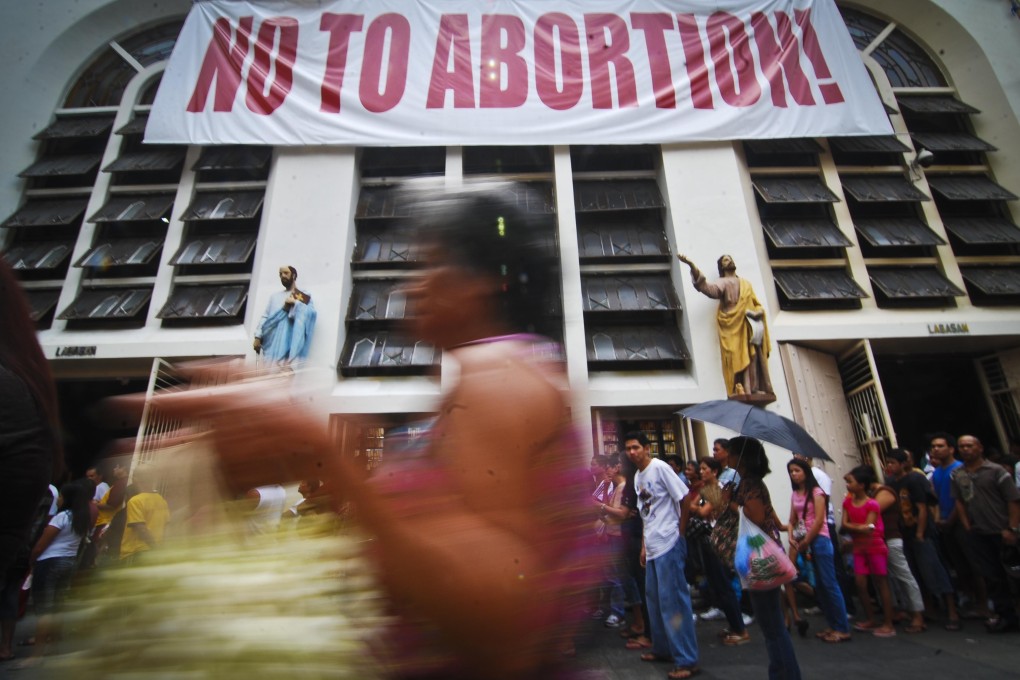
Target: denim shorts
(51, 579)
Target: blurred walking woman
(482, 535)
(753, 497)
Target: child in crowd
(862, 516)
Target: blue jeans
(768, 612)
(830, 597)
(623, 591)
(669, 607)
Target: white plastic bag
(760, 562)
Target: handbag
(723, 538)
(697, 529)
(761, 563)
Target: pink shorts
(871, 563)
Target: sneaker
(748, 620)
(811, 611)
(713, 614)
(615, 621)
(598, 614)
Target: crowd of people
(489, 561)
(939, 545)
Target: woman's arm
(820, 506)
(48, 534)
(755, 510)
(485, 536)
(885, 499)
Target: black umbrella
(752, 421)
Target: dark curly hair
(501, 229)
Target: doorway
(932, 394)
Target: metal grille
(1004, 398)
(866, 403)
(157, 430)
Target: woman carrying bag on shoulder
(711, 505)
(752, 496)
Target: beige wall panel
(816, 392)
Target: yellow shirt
(147, 508)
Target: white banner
(512, 72)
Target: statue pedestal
(753, 399)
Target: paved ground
(970, 654)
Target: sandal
(953, 625)
(836, 638)
(640, 642)
(734, 639)
(884, 632)
(822, 634)
(920, 628)
(654, 657)
(683, 672)
(865, 626)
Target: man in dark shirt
(916, 501)
(988, 506)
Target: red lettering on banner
(654, 27)
(283, 32)
(697, 66)
(495, 55)
(340, 27)
(601, 53)
(396, 65)
(548, 28)
(782, 58)
(453, 37)
(830, 91)
(734, 58)
(223, 61)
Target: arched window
(103, 81)
(905, 63)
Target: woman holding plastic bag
(759, 553)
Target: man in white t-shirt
(663, 554)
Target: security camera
(924, 158)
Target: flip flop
(653, 658)
(915, 629)
(630, 633)
(638, 643)
(683, 672)
(865, 626)
(879, 633)
(953, 625)
(835, 638)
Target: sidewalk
(971, 654)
